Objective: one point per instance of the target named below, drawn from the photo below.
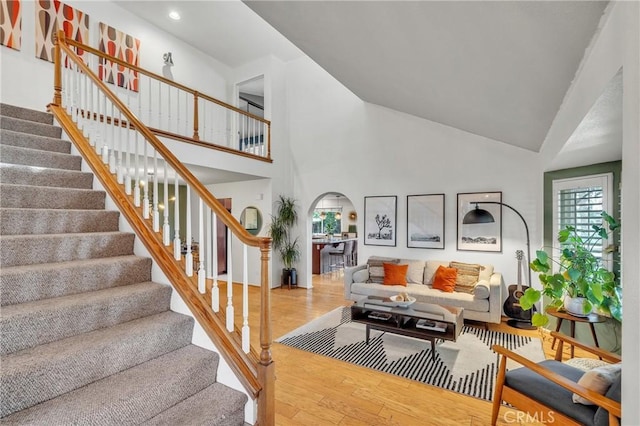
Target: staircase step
(32, 249)
(129, 397)
(35, 375)
(18, 174)
(56, 221)
(216, 405)
(35, 157)
(49, 197)
(25, 113)
(30, 127)
(20, 284)
(43, 143)
(35, 323)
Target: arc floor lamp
(479, 215)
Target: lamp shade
(478, 215)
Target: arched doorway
(333, 220)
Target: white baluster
(215, 290)
(208, 223)
(169, 108)
(189, 256)
(119, 166)
(145, 183)
(112, 156)
(149, 119)
(178, 112)
(245, 300)
(166, 230)
(201, 252)
(159, 104)
(156, 215)
(230, 311)
(136, 187)
(105, 147)
(177, 249)
(127, 166)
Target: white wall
(255, 193)
(192, 67)
(383, 152)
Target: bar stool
(336, 258)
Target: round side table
(561, 316)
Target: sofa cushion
(598, 380)
(482, 290)
(615, 392)
(445, 279)
(468, 275)
(395, 274)
(361, 276)
(430, 270)
(586, 364)
(548, 393)
(424, 294)
(415, 273)
(376, 270)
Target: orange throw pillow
(395, 274)
(445, 279)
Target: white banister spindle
(230, 311)
(177, 249)
(149, 116)
(166, 230)
(188, 267)
(112, 155)
(159, 104)
(245, 300)
(208, 222)
(92, 110)
(169, 108)
(215, 290)
(136, 158)
(103, 118)
(120, 167)
(201, 251)
(178, 113)
(156, 214)
(127, 166)
(145, 183)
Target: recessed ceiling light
(174, 15)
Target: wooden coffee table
(420, 320)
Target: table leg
(433, 349)
(595, 338)
(368, 329)
(559, 323)
(573, 334)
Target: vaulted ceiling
(498, 69)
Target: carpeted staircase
(86, 337)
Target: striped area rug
(467, 366)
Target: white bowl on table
(402, 303)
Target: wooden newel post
(266, 368)
(57, 68)
(196, 136)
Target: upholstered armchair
(546, 390)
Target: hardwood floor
(316, 390)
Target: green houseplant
(579, 274)
(280, 230)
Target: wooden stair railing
(116, 144)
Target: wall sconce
(168, 60)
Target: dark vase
(289, 274)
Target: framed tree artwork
(425, 221)
(380, 220)
(480, 236)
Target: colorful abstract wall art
(11, 23)
(52, 16)
(123, 46)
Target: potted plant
(280, 231)
(581, 283)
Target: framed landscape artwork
(481, 236)
(380, 220)
(425, 221)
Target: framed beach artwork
(480, 236)
(425, 221)
(380, 220)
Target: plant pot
(289, 274)
(574, 306)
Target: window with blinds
(579, 202)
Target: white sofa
(485, 304)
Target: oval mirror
(251, 219)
